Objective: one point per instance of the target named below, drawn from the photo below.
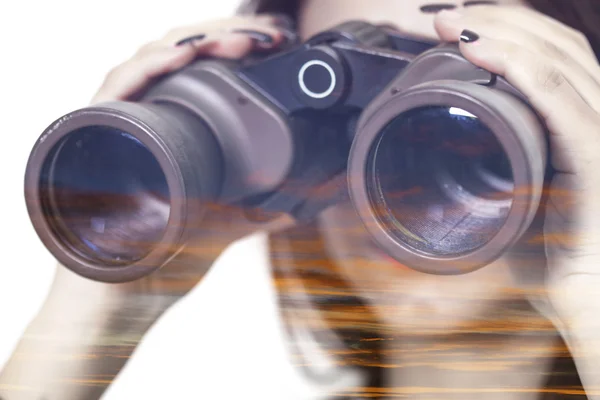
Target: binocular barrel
(445, 162)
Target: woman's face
(411, 301)
(408, 300)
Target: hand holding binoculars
(444, 162)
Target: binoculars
(444, 162)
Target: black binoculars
(444, 162)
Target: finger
(231, 38)
(571, 121)
(214, 25)
(158, 58)
(536, 22)
(587, 86)
(133, 75)
(178, 34)
(280, 20)
(236, 43)
(523, 26)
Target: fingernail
(468, 36)
(260, 37)
(435, 8)
(479, 3)
(190, 39)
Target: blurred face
(410, 301)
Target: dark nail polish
(190, 39)
(261, 37)
(468, 36)
(479, 3)
(435, 8)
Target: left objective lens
(105, 195)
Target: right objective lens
(440, 181)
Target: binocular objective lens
(440, 180)
(105, 195)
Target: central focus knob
(317, 79)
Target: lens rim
(485, 104)
(51, 236)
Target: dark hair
(300, 263)
(582, 15)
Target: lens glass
(106, 195)
(440, 181)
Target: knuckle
(553, 51)
(548, 77)
(583, 40)
(515, 57)
(577, 35)
(579, 38)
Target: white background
(53, 57)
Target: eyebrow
(478, 2)
(433, 8)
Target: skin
(551, 64)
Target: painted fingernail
(190, 39)
(468, 36)
(479, 3)
(260, 37)
(434, 8)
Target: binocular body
(444, 162)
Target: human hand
(556, 69)
(230, 38)
(86, 330)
